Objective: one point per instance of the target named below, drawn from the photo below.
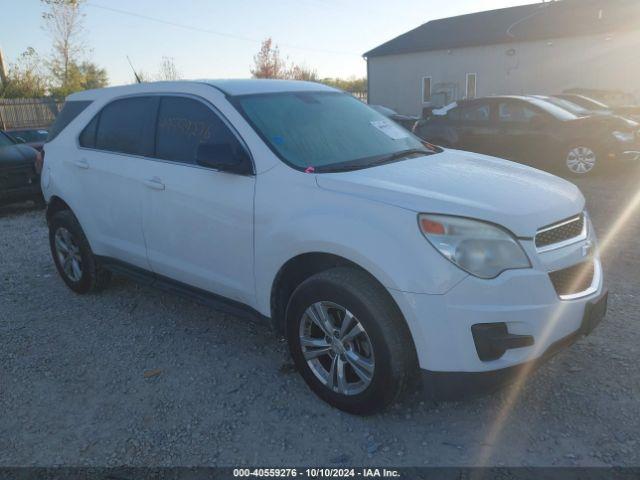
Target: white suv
(376, 254)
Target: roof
(262, 85)
(229, 87)
(537, 21)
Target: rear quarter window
(69, 112)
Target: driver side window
(183, 125)
(515, 112)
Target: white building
(539, 48)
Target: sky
(222, 37)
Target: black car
(629, 111)
(533, 131)
(18, 178)
(34, 137)
(407, 121)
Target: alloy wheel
(337, 348)
(581, 160)
(68, 253)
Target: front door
(521, 135)
(198, 222)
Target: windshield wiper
(406, 153)
(348, 167)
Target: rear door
(198, 222)
(110, 167)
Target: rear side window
(126, 126)
(70, 111)
(184, 124)
(470, 113)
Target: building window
(471, 85)
(426, 89)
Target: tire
(89, 276)
(376, 364)
(581, 160)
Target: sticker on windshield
(392, 131)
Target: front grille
(560, 232)
(572, 280)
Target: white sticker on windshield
(392, 131)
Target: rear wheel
(72, 255)
(581, 160)
(349, 341)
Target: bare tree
(63, 20)
(301, 72)
(267, 62)
(168, 70)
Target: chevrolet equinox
(376, 254)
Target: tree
(351, 84)
(301, 72)
(70, 72)
(25, 77)
(267, 62)
(63, 21)
(168, 70)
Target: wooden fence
(28, 112)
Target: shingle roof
(538, 21)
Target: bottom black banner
(428, 473)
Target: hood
(17, 156)
(453, 182)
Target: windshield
(326, 130)
(587, 102)
(30, 135)
(558, 112)
(387, 112)
(5, 141)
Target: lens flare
(515, 389)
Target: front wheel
(349, 340)
(581, 160)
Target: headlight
(479, 248)
(623, 136)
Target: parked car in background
(628, 111)
(34, 137)
(374, 254)
(19, 180)
(534, 132)
(615, 121)
(407, 121)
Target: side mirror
(223, 157)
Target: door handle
(154, 183)
(82, 163)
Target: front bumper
(455, 385)
(525, 301)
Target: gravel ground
(138, 377)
